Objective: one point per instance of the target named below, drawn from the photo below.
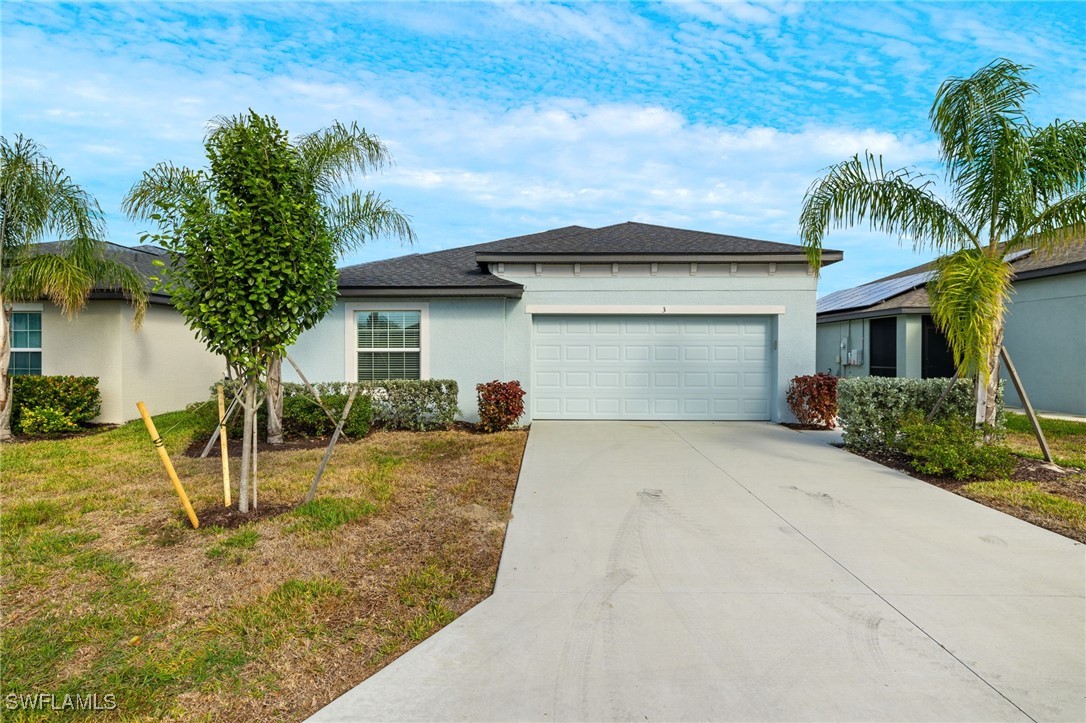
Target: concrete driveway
(743, 571)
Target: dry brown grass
(107, 590)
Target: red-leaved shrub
(500, 404)
(813, 399)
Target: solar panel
(860, 297)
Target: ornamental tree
(253, 240)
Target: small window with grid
(389, 345)
(25, 343)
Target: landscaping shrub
(43, 421)
(412, 404)
(75, 398)
(952, 447)
(813, 399)
(501, 404)
(302, 417)
(872, 410)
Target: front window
(25, 343)
(389, 345)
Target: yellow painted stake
(157, 441)
(223, 447)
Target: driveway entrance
(744, 571)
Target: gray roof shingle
(460, 268)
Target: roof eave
(1049, 271)
(829, 316)
(362, 292)
(581, 258)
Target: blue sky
(512, 118)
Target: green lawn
(108, 591)
(1066, 439)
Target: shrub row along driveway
(740, 571)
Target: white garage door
(651, 367)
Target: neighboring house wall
(831, 355)
(1046, 337)
(161, 365)
(856, 334)
(476, 340)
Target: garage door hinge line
(850, 572)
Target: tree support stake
(161, 448)
(1033, 420)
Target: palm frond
(967, 295)
(62, 280)
(1057, 162)
(39, 200)
(969, 113)
(357, 217)
(110, 274)
(162, 192)
(334, 155)
(897, 202)
(1058, 225)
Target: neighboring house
(884, 328)
(631, 321)
(162, 364)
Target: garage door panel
(651, 368)
(665, 353)
(605, 380)
(608, 353)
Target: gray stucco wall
(162, 364)
(1046, 337)
(475, 340)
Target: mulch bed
(805, 427)
(229, 517)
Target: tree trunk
(987, 413)
(275, 400)
(249, 408)
(5, 381)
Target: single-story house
(162, 364)
(631, 321)
(884, 328)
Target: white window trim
(29, 309)
(662, 309)
(350, 318)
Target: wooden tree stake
(1037, 431)
(223, 447)
(312, 390)
(157, 441)
(331, 445)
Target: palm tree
(333, 158)
(1011, 185)
(39, 201)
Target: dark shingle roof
(464, 267)
(1027, 265)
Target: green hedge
(872, 410)
(411, 404)
(59, 403)
(414, 404)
